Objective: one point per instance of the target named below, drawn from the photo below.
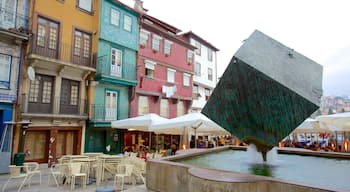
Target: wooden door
(66, 143)
(36, 146)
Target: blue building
(13, 35)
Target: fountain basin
(168, 174)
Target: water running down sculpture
(266, 91)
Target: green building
(115, 76)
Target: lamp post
(24, 126)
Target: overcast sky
(318, 29)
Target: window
(47, 89)
(69, 101)
(171, 75)
(5, 70)
(164, 108)
(47, 34)
(210, 54)
(40, 90)
(144, 37)
(156, 42)
(167, 47)
(207, 93)
(74, 93)
(143, 105)
(198, 46)
(149, 68)
(34, 89)
(210, 74)
(8, 13)
(111, 105)
(186, 79)
(197, 69)
(82, 42)
(115, 15)
(116, 62)
(127, 23)
(189, 56)
(180, 108)
(85, 5)
(195, 91)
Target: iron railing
(12, 20)
(55, 49)
(101, 113)
(59, 105)
(124, 71)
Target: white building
(205, 70)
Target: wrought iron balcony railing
(55, 49)
(102, 113)
(11, 20)
(59, 106)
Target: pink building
(164, 71)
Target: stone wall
(168, 176)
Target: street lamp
(24, 126)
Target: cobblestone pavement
(14, 184)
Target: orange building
(61, 51)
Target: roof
(200, 39)
(164, 25)
(126, 6)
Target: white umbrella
(199, 122)
(196, 122)
(310, 126)
(140, 123)
(340, 120)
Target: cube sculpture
(266, 91)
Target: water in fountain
(255, 156)
(257, 165)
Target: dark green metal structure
(258, 97)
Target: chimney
(138, 6)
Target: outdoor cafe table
(108, 163)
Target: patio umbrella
(340, 120)
(311, 126)
(140, 123)
(195, 122)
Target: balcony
(14, 22)
(60, 52)
(100, 113)
(56, 108)
(118, 74)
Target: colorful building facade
(13, 40)
(205, 70)
(115, 77)
(164, 74)
(61, 52)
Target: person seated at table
(173, 148)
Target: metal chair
(58, 171)
(32, 168)
(124, 170)
(15, 173)
(74, 172)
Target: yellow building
(62, 52)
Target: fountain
(267, 90)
